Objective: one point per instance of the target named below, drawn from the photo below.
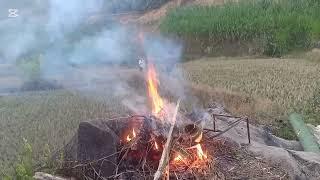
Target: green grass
(279, 26)
(46, 118)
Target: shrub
(24, 166)
(282, 25)
(30, 67)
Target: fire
(133, 133)
(156, 145)
(200, 153)
(178, 157)
(156, 101)
(131, 136)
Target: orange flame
(156, 145)
(130, 137)
(200, 153)
(178, 157)
(156, 101)
(133, 133)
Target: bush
(24, 166)
(282, 25)
(30, 67)
(31, 71)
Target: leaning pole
(306, 139)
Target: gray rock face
(279, 152)
(298, 164)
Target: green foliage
(6, 177)
(24, 167)
(285, 131)
(30, 67)
(282, 26)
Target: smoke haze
(81, 55)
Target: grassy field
(278, 26)
(274, 87)
(264, 89)
(46, 118)
(287, 82)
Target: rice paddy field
(263, 89)
(286, 82)
(46, 119)
(266, 90)
(281, 85)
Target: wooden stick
(45, 176)
(166, 150)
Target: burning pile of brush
(157, 146)
(143, 147)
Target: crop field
(46, 119)
(253, 87)
(265, 90)
(278, 26)
(288, 83)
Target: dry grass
(236, 103)
(263, 89)
(314, 55)
(286, 82)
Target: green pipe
(306, 139)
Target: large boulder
(92, 149)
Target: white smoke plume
(77, 54)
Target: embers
(143, 140)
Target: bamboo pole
(166, 150)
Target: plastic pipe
(306, 139)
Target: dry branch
(45, 176)
(166, 150)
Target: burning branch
(166, 150)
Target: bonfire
(155, 144)
(161, 143)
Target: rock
(97, 140)
(298, 164)
(276, 151)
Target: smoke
(84, 56)
(65, 16)
(17, 38)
